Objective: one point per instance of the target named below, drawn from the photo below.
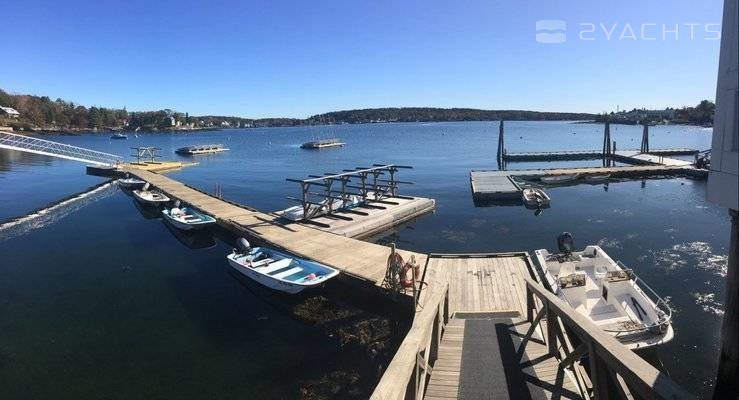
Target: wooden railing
(611, 364)
(408, 372)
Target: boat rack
(371, 184)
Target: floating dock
(589, 154)
(366, 220)
(363, 261)
(489, 187)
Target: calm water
(98, 301)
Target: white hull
(535, 198)
(150, 197)
(598, 288)
(296, 213)
(130, 183)
(181, 221)
(280, 271)
(265, 281)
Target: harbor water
(101, 299)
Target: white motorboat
(131, 183)
(559, 178)
(277, 270)
(296, 213)
(146, 196)
(534, 197)
(187, 218)
(607, 293)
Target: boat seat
(287, 273)
(261, 263)
(275, 265)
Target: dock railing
(611, 364)
(408, 372)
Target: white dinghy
(187, 218)
(277, 270)
(607, 293)
(535, 198)
(131, 183)
(296, 213)
(147, 196)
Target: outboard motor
(146, 187)
(565, 243)
(243, 245)
(176, 204)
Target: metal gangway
(34, 145)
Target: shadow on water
(194, 240)
(146, 211)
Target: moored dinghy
(131, 183)
(534, 197)
(187, 218)
(277, 270)
(607, 293)
(147, 196)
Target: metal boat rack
(373, 185)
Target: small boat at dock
(277, 270)
(554, 179)
(598, 177)
(534, 197)
(146, 196)
(201, 149)
(319, 144)
(187, 218)
(131, 183)
(296, 213)
(119, 136)
(607, 293)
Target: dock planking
(358, 259)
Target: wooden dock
(366, 220)
(357, 259)
(479, 333)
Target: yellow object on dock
(156, 166)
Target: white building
(723, 180)
(9, 112)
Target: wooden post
(304, 189)
(645, 138)
(551, 331)
(501, 143)
(727, 378)
(598, 374)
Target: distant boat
(533, 197)
(319, 144)
(186, 218)
(559, 178)
(131, 183)
(201, 149)
(277, 270)
(147, 196)
(598, 178)
(607, 293)
(295, 213)
(118, 136)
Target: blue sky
(279, 58)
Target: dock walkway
(358, 259)
(477, 356)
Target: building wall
(723, 180)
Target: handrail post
(551, 331)
(529, 304)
